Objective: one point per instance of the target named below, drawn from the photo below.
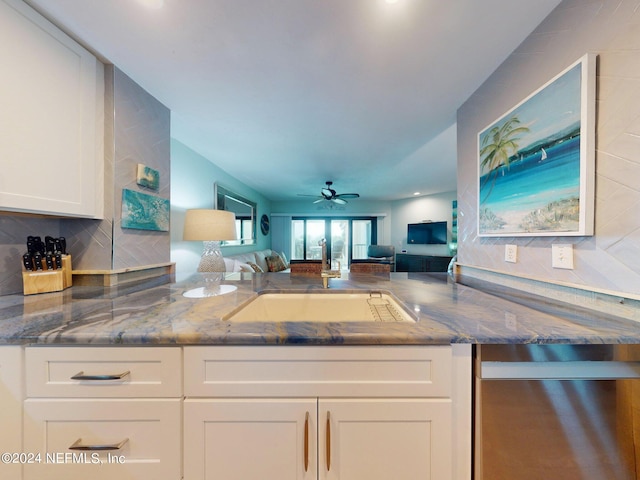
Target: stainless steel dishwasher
(548, 412)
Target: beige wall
(610, 260)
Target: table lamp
(211, 227)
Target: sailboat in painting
(543, 155)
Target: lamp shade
(206, 225)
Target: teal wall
(192, 180)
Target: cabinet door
(250, 439)
(51, 92)
(11, 411)
(382, 439)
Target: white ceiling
(286, 94)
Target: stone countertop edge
(155, 312)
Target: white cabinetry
(52, 122)
(254, 412)
(103, 413)
(319, 413)
(10, 410)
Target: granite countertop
(156, 312)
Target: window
(347, 238)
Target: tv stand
(406, 262)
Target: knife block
(44, 281)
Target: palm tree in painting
(497, 147)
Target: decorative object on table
(144, 212)
(47, 266)
(147, 177)
(210, 227)
(536, 162)
(264, 224)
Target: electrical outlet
(511, 321)
(511, 253)
(562, 256)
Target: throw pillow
(256, 268)
(246, 267)
(275, 263)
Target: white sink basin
(321, 307)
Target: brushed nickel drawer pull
(82, 376)
(328, 439)
(306, 442)
(77, 445)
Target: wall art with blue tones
(536, 162)
(144, 212)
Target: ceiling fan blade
(339, 201)
(321, 199)
(348, 195)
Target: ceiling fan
(329, 194)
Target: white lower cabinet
(300, 439)
(237, 412)
(11, 411)
(245, 439)
(242, 402)
(103, 413)
(103, 439)
(381, 439)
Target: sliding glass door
(347, 238)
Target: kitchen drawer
(361, 371)
(151, 428)
(152, 372)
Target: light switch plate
(562, 256)
(511, 253)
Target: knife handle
(37, 260)
(49, 244)
(49, 261)
(58, 257)
(63, 245)
(27, 261)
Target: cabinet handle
(328, 439)
(77, 445)
(306, 442)
(117, 376)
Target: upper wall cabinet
(51, 118)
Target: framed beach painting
(536, 162)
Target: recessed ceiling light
(152, 3)
(416, 193)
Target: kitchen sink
(322, 307)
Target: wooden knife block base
(44, 281)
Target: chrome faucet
(326, 272)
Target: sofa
(258, 261)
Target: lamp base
(212, 259)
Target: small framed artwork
(147, 177)
(536, 167)
(144, 212)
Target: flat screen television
(427, 233)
